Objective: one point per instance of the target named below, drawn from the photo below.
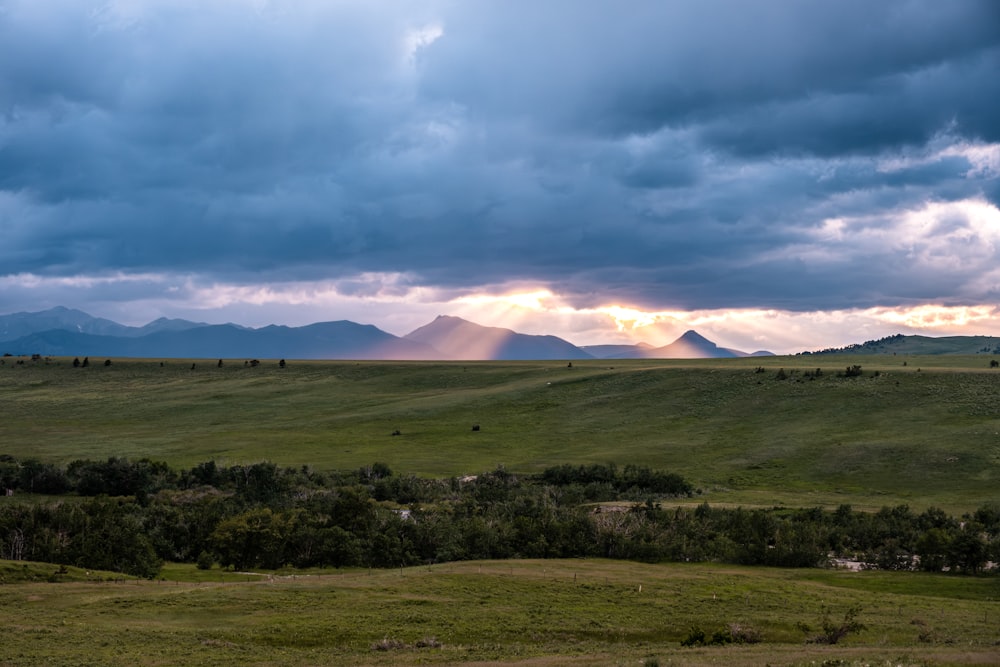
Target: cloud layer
(803, 157)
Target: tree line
(131, 516)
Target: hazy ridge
(64, 331)
(68, 332)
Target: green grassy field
(924, 433)
(518, 612)
(927, 433)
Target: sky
(787, 176)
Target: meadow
(532, 612)
(922, 431)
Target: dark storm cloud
(905, 109)
(675, 154)
(663, 64)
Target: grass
(927, 433)
(524, 612)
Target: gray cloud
(674, 155)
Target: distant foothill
(68, 332)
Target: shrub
(925, 634)
(428, 642)
(833, 631)
(388, 644)
(743, 634)
(734, 633)
(205, 561)
(696, 637)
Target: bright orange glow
(531, 300)
(396, 304)
(630, 319)
(936, 317)
(542, 311)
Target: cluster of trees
(130, 516)
(893, 538)
(606, 482)
(100, 533)
(114, 477)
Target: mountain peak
(692, 336)
(58, 318)
(455, 321)
(691, 345)
(461, 339)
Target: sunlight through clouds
(530, 300)
(938, 318)
(394, 303)
(387, 162)
(954, 239)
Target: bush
(428, 642)
(743, 634)
(833, 631)
(696, 637)
(388, 644)
(205, 561)
(734, 633)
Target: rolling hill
(900, 344)
(461, 339)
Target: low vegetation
(533, 612)
(606, 513)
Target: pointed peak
(692, 336)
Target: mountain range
(691, 345)
(68, 332)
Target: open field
(577, 612)
(924, 433)
(927, 433)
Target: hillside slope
(737, 428)
(900, 344)
(460, 339)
